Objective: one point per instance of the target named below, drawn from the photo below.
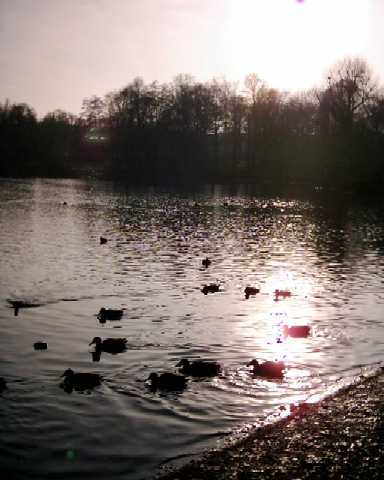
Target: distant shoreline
(211, 132)
(252, 185)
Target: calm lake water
(328, 253)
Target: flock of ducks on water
(81, 381)
(164, 381)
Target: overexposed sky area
(54, 53)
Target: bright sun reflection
(290, 44)
(270, 341)
(283, 280)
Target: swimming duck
(267, 369)
(3, 385)
(40, 346)
(296, 331)
(251, 291)
(17, 304)
(282, 293)
(198, 368)
(103, 240)
(211, 288)
(79, 381)
(206, 262)
(109, 314)
(167, 381)
(109, 345)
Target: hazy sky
(54, 53)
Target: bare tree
(350, 89)
(93, 111)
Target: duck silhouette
(109, 345)
(211, 288)
(198, 368)
(103, 240)
(17, 304)
(251, 291)
(296, 331)
(282, 293)
(167, 381)
(79, 381)
(206, 262)
(268, 369)
(40, 346)
(109, 314)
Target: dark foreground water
(327, 252)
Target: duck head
(153, 377)
(253, 363)
(102, 315)
(184, 363)
(96, 341)
(69, 373)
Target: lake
(327, 251)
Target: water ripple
(329, 258)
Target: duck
(103, 240)
(17, 304)
(167, 381)
(206, 262)
(282, 293)
(40, 346)
(109, 345)
(211, 288)
(296, 331)
(79, 381)
(267, 369)
(3, 385)
(251, 291)
(198, 368)
(109, 314)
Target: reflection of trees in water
(345, 235)
(332, 225)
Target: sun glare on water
(290, 43)
(267, 323)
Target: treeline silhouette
(331, 136)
